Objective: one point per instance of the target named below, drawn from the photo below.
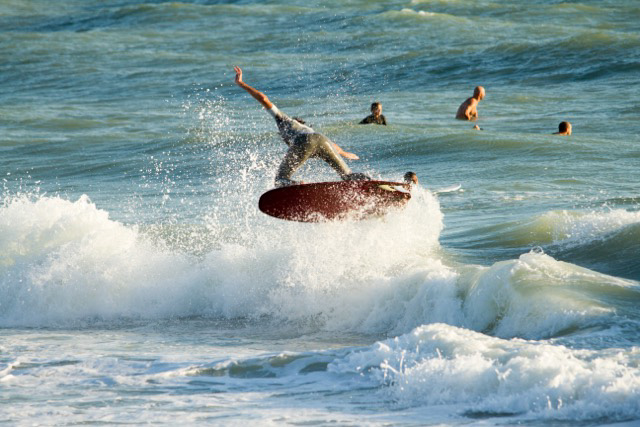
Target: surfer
(468, 109)
(564, 128)
(375, 116)
(303, 142)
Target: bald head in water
(564, 129)
(468, 109)
(478, 93)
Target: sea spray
(68, 261)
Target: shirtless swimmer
(468, 110)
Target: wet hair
(564, 126)
(410, 177)
(375, 105)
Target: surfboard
(334, 201)
(448, 189)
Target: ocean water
(139, 283)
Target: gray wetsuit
(304, 143)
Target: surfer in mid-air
(303, 142)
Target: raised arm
(259, 96)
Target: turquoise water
(140, 283)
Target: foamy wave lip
(578, 227)
(564, 228)
(64, 262)
(420, 12)
(536, 297)
(441, 365)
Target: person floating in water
(375, 116)
(564, 128)
(303, 142)
(468, 110)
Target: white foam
(64, 262)
(444, 365)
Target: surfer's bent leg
(298, 153)
(324, 150)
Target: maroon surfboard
(329, 201)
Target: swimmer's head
(376, 108)
(564, 128)
(411, 178)
(478, 93)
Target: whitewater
(139, 282)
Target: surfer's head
(478, 93)
(376, 109)
(411, 178)
(564, 128)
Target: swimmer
(564, 128)
(411, 178)
(468, 109)
(375, 116)
(303, 142)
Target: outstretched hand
(238, 71)
(259, 96)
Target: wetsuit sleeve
(384, 120)
(278, 115)
(288, 128)
(366, 120)
(274, 111)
